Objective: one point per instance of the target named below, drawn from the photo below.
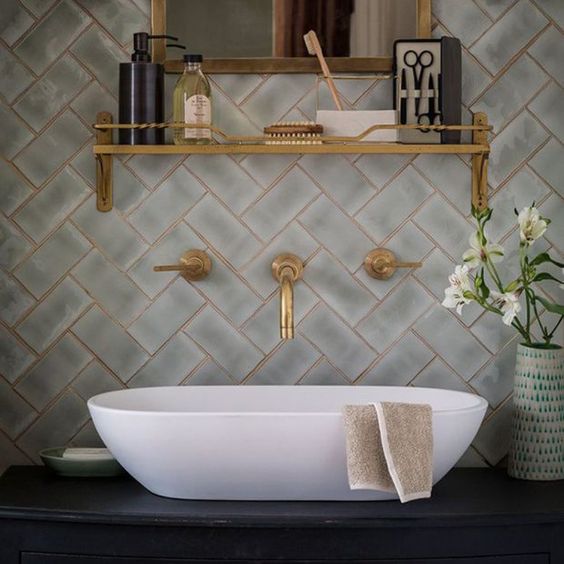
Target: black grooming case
(445, 93)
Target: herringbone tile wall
(82, 311)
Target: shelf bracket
(480, 164)
(104, 188)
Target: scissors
(432, 117)
(418, 62)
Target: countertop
(465, 496)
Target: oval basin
(261, 442)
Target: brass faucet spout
(287, 269)
(287, 303)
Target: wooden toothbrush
(314, 48)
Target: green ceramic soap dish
(94, 468)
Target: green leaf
(480, 215)
(487, 214)
(483, 240)
(513, 286)
(554, 308)
(545, 257)
(545, 276)
(485, 292)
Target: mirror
(267, 35)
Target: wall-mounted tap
(382, 263)
(287, 269)
(194, 265)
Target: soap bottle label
(197, 109)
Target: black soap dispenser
(141, 93)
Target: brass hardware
(381, 264)
(104, 195)
(269, 65)
(194, 265)
(326, 138)
(240, 144)
(287, 269)
(480, 164)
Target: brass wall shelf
(104, 149)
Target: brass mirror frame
(280, 64)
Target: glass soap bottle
(192, 103)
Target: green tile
(52, 36)
(13, 187)
(15, 21)
(14, 77)
(102, 57)
(54, 315)
(20, 135)
(52, 92)
(54, 372)
(56, 426)
(14, 357)
(52, 260)
(52, 148)
(14, 299)
(52, 204)
(120, 17)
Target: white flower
(531, 225)
(508, 303)
(478, 253)
(459, 283)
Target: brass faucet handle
(194, 265)
(287, 260)
(381, 264)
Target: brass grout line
(90, 363)
(8, 439)
(518, 168)
(484, 12)
(48, 409)
(442, 359)
(541, 9)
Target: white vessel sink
(261, 442)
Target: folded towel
(366, 463)
(390, 448)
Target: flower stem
(549, 336)
(544, 329)
(525, 280)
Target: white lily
(531, 225)
(478, 253)
(459, 283)
(508, 303)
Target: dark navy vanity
(476, 516)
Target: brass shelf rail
(104, 149)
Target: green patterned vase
(537, 449)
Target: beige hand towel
(366, 463)
(390, 448)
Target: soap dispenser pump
(141, 93)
